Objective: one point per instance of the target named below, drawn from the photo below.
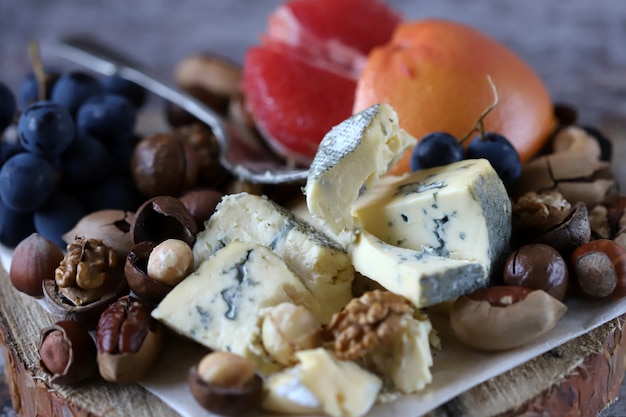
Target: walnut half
(367, 322)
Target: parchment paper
(456, 368)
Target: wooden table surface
(577, 47)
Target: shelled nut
(225, 383)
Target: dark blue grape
(57, 216)
(8, 107)
(121, 152)
(500, 153)
(29, 89)
(45, 129)
(436, 149)
(85, 160)
(15, 226)
(9, 149)
(72, 89)
(115, 84)
(106, 117)
(26, 182)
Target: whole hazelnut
(599, 269)
(34, 260)
(288, 328)
(201, 204)
(225, 383)
(538, 267)
(170, 261)
(67, 352)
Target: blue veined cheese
(355, 153)
(320, 262)
(459, 211)
(221, 305)
(321, 383)
(423, 278)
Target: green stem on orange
(40, 74)
(479, 126)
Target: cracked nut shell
(137, 276)
(161, 218)
(112, 227)
(67, 352)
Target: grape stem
(479, 126)
(40, 74)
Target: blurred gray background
(577, 46)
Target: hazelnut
(67, 352)
(136, 272)
(177, 116)
(538, 267)
(34, 260)
(504, 317)
(288, 328)
(213, 73)
(599, 268)
(128, 340)
(225, 383)
(170, 262)
(162, 218)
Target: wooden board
(587, 371)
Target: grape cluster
(68, 154)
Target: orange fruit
(435, 74)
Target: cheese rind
(422, 278)
(355, 153)
(320, 262)
(322, 383)
(221, 304)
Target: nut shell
(505, 317)
(162, 218)
(137, 277)
(226, 401)
(77, 344)
(112, 227)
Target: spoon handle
(262, 168)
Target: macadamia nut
(170, 261)
(288, 328)
(225, 369)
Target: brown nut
(505, 317)
(170, 262)
(34, 260)
(177, 116)
(538, 267)
(210, 72)
(574, 231)
(211, 173)
(128, 340)
(164, 164)
(599, 268)
(112, 227)
(67, 352)
(162, 218)
(201, 204)
(137, 277)
(288, 328)
(225, 383)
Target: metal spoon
(241, 152)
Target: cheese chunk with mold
(457, 211)
(321, 383)
(221, 305)
(355, 153)
(320, 262)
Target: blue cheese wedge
(221, 305)
(354, 154)
(322, 264)
(321, 383)
(456, 219)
